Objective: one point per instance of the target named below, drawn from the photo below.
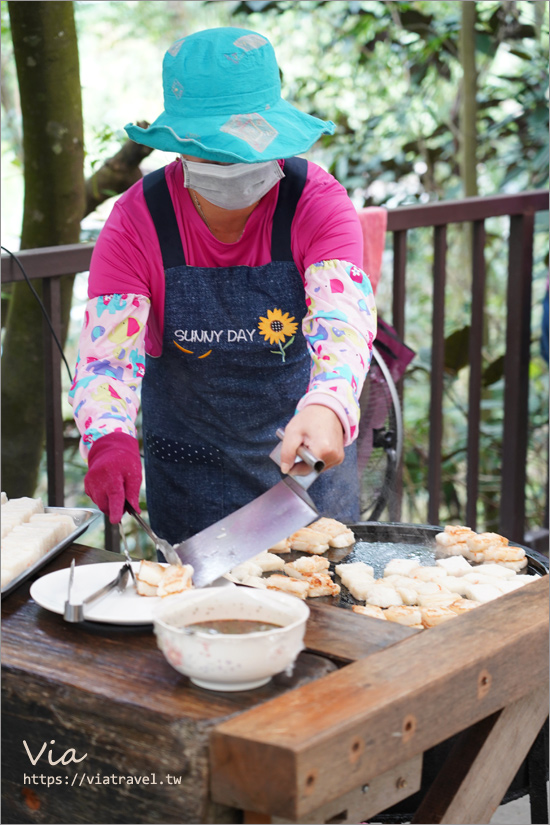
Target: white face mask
(234, 186)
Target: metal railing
(50, 264)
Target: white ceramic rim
(236, 636)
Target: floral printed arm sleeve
(339, 327)
(110, 365)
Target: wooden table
(331, 744)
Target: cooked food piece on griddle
(452, 541)
(453, 534)
(427, 587)
(511, 557)
(357, 577)
(255, 581)
(408, 595)
(481, 592)
(268, 561)
(497, 571)
(321, 584)
(308, 540)
(176, 579)
(369, 610)
(454, 565)
(247, 568)
(417, 627)
(480, 578)
(436, 599)
(527, 578)
(296, 587)
(355, 569)
(340, 535)
(463, 606)
(382, 595)
(456, 585)
(396, 580)
(507, 585)
(400, 567)
(432, 616)
(306, 566)
(281, 547)
(148, 577)
(428, 574)
(403, 614)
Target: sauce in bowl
(233, 627)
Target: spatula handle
(306, 455)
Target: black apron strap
(290, 191)
(159, 203)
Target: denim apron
(233, 366)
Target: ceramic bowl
(231, 662)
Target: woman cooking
(227, 284)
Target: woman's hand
(319, 429)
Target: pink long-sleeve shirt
(126, 292)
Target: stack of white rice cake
(28, 533)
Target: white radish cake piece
(436, 599)
(433, 616)
(255, 581)
(306, 566)
(308, 540)
(495, 570)
(455, 565)
(339, 534)
(383, 596)
(280, 547)
(404, 615)
(428, 574)
(296, 587)
(268, 561)
(176, 579)
(463, 606)
(456, 585)
(369, 610)
(355, 568)
(400, 567)
(148, 577)
(247, 568)
(481, 592)
(3, 498)
(321, 584)
(408, 595)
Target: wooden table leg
(251, 818)
(481, 766)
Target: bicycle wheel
(380, 441)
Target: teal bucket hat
(222, 102)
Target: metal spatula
(255, 527)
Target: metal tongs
(75, 612)
(161, 544)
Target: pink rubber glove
(114, 474)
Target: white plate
(125, 608)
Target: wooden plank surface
(367, 800)
(483, 763)
(119, 663)
(327, 738)
(109, 694)
(346, 636)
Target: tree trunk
(46, 57)
(468, 108)
(117, 174)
